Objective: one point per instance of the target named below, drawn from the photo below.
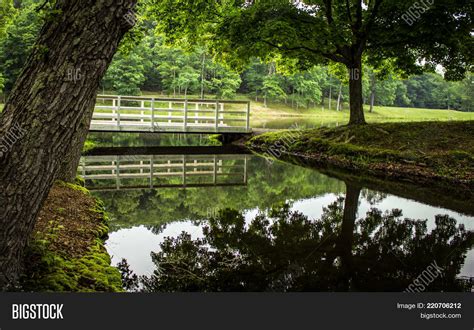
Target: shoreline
(362, 150)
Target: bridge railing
(161, 171)
(149, 114)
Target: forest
(147, 63)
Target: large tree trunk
(52, 104)
(355, 93)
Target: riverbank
(67, 252)
(432, 153)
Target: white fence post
(153, 114)
(169, 112)
(217, 115)
(248, 117)
(119, 103)
(185, 115)
(114, 106)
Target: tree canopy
(312, 32)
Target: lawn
(380, 114)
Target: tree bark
(355, 93)
(52, 103)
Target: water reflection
(282, 250)
(333, 234)
(114, 172)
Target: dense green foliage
(150, 64)
(17, 41)
(305, 33)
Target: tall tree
(49, 111)
(317, 31)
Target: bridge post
(214, 177)
(114, 105)
(151, 172)
(217, 115)
(248, 116)
(119, 102)
(153, 114)
(185, 115)
(245, 169)
(117, 172)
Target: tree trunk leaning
(52, 104)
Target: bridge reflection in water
(118, 172)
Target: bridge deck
(164, 115)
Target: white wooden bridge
(162, 171)
(168, 115)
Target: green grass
(422, 151)
(380, 114)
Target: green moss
(88, 146)
(56, 273)
(74, 187)
(80, 181)
(49, 270)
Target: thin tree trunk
(372, 92)
(330, 96)
(372, 101)
(54, 112)
(174, 85)
(339, 98)
(355, 93)
(202, 74)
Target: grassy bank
(428, 152)
(67, 252)
(380, 114)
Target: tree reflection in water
(286, 251)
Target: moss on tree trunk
(52, 103)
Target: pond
(238, 222)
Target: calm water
(269, 226)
